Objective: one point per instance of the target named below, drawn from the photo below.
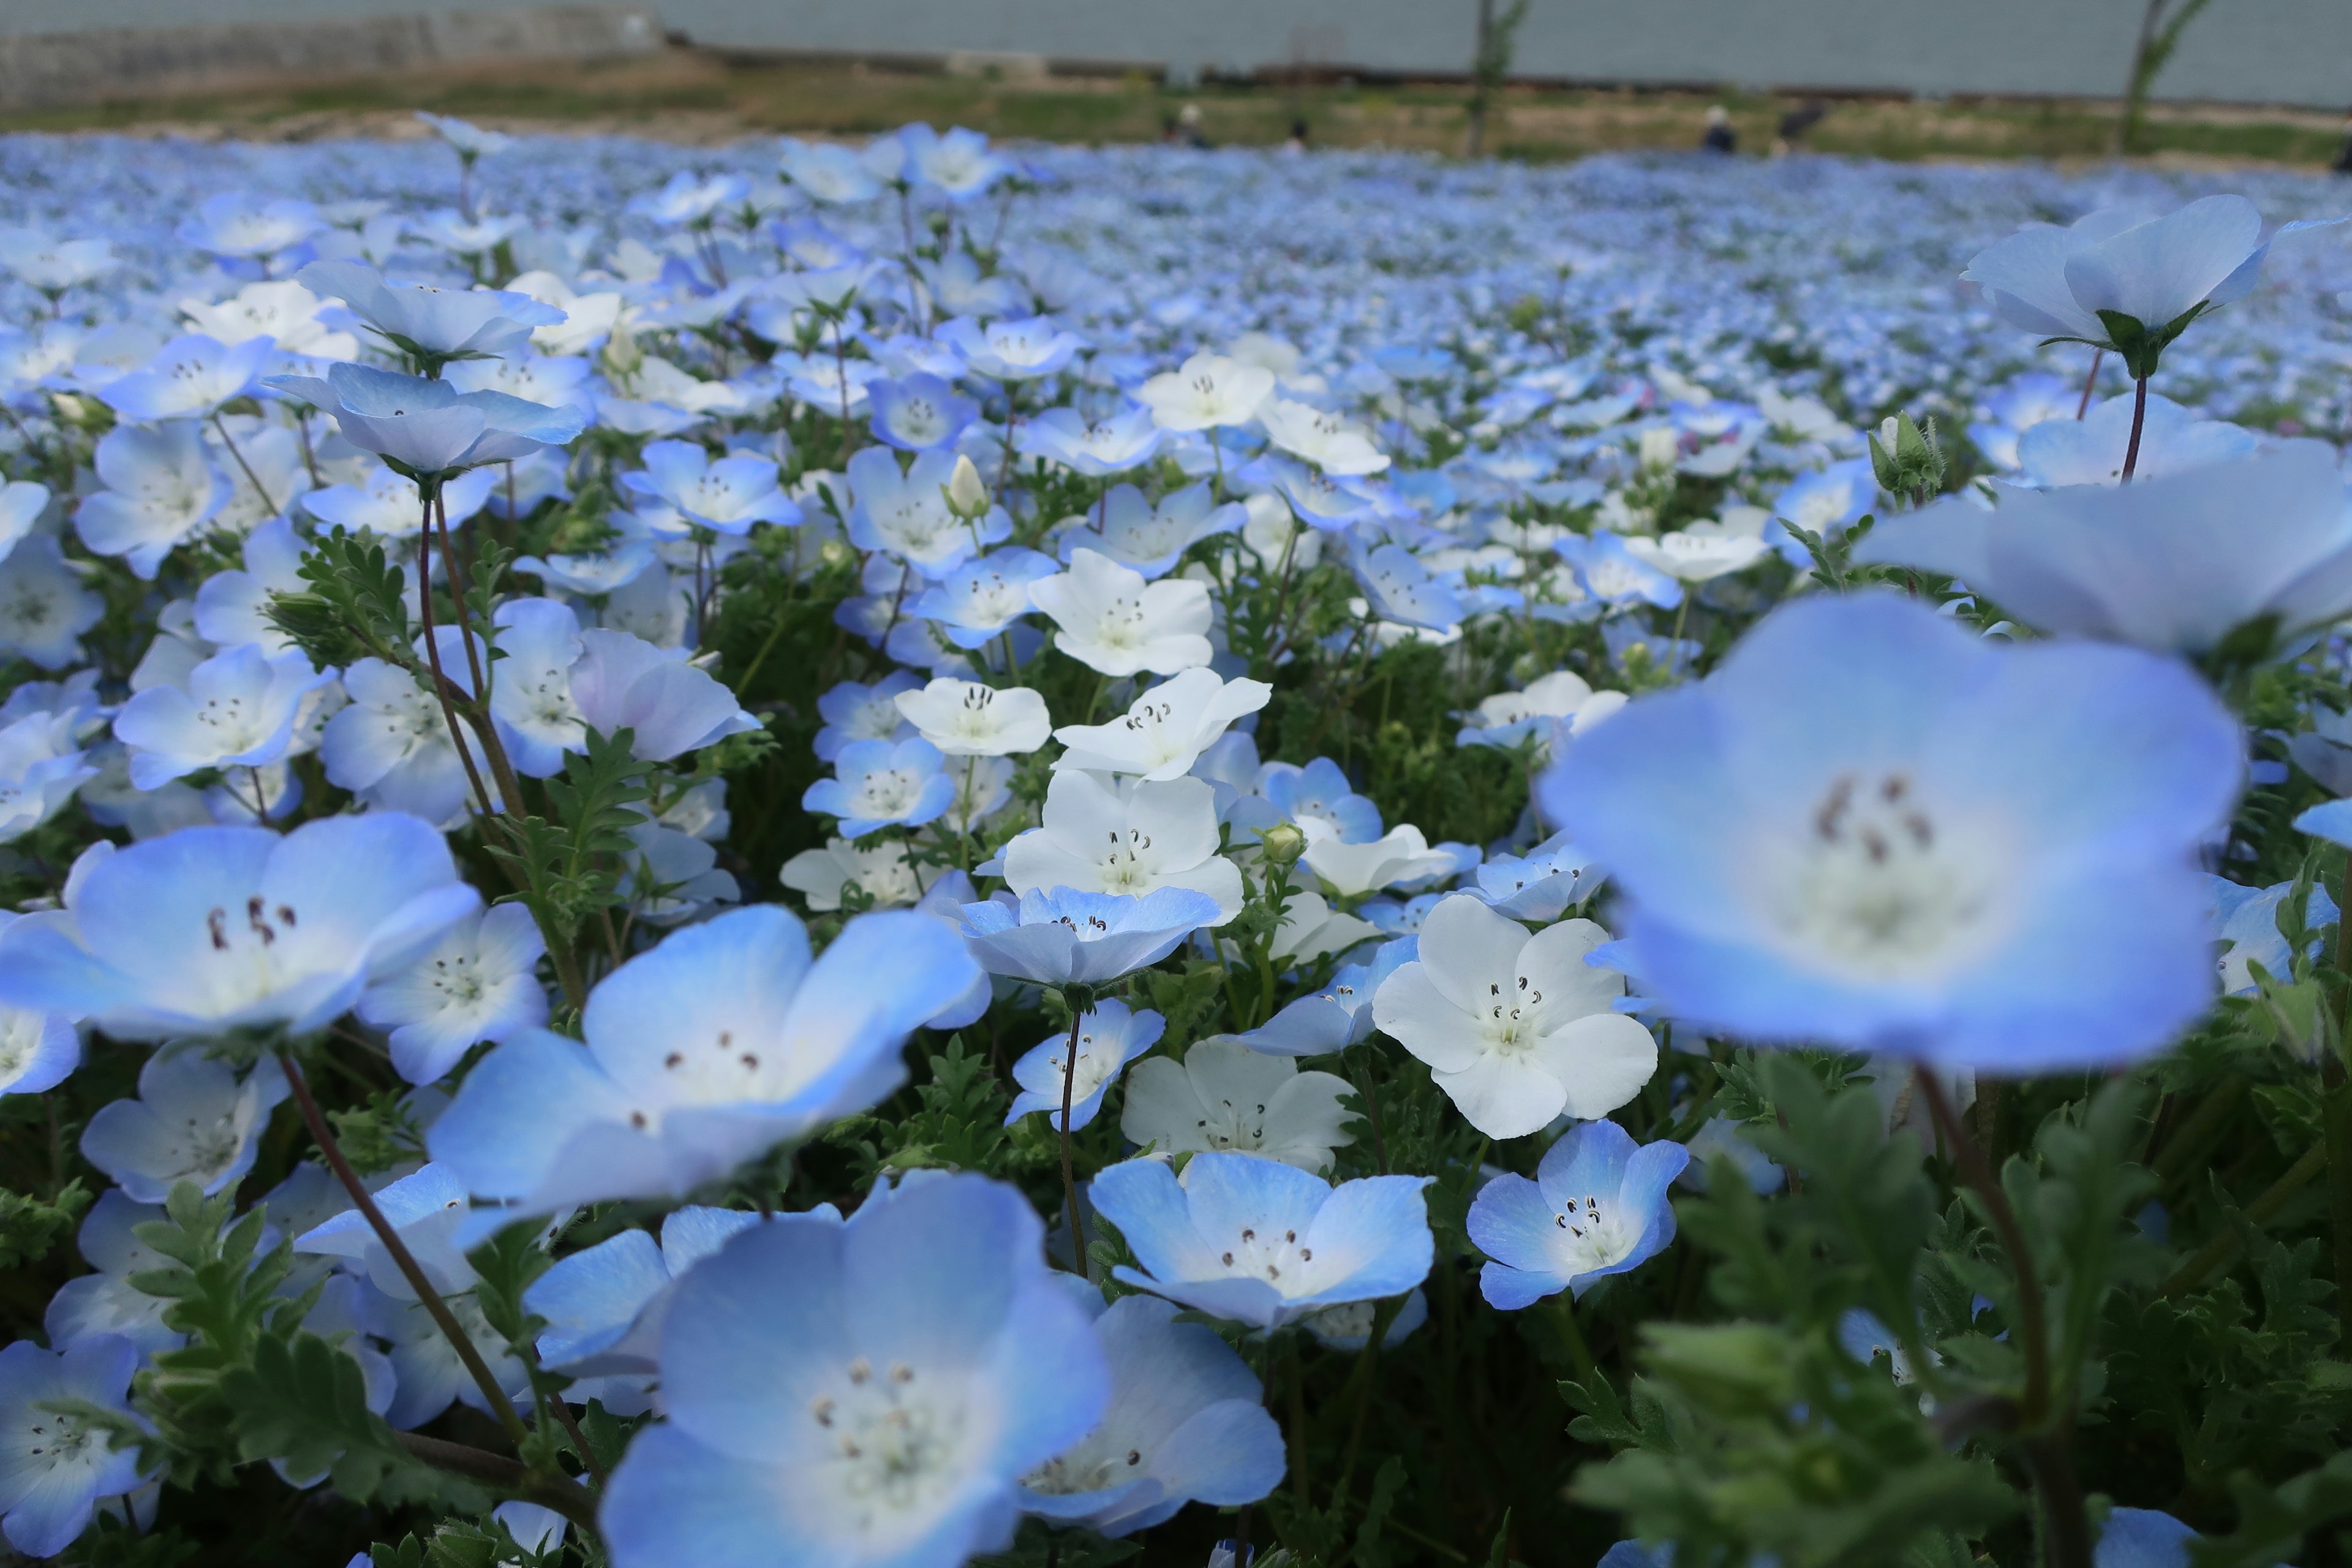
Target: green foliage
(353, 609)
(30, 1226)
(303, 1402)
(957, 1122)
(380, 1134)
(574, 864)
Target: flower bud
(1283, 844)
(967, 497)
(1660, 447)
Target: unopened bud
(1283, 844)
(621, 355)
(967, 497)
(1660, 447)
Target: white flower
(1691, 557)
(1229, 1098)
(479, 983)
(1100, 837)
(1401, 856)
(1312, 929)
(1326, 440)
(965, 719)
(880, 870)
(1509, 717)
(1209, 390)
(1166, 729)
(161, 487)
(1517, 1029)
(1110, 620)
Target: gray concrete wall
(2254, 51)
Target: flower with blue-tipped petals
(1614, 574)
(862, 1395)
(1598, 1206)
(1868, 827)
(2246, 921)
(1059, 936)
(1339, 1015)
(1319, 799)
(603, 1304)
(710, 1049)
(212, 930)
(876, 783)
(2171, 562)
(1097, 449)
(1186, 1424)
(193, 1121)
(480, 981)
(1263, 1243)
(61, 1464)
(919, 414)
(1110, 1036)
(978, 601)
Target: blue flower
(211, 930)
(2246, 919)
(192, 1121)
(1598, 1206)
(1151, 539)
(1399, 588)
(860, 1394)
(1059, 936)
(1548, 880)
(876, 783)
(1096, 449)
(1262, 1242)
(1826, 501)
(603, 1304)
(1186, 1424)
(853, 711)
(1872, 829)
(1320, 799)
(1614, 574)
(709, 1050)
(980, 599)
(59, 1466)
(1110, 1036)
(2169, 562)
(2142, 1538)
(104, 1302)
(919, 414)
(1338, 1015)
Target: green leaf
(303, 1402)
(30, 1226)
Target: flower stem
(2083, 406)
(498, 1470)
(1365, 1086)
(2260, 1212)
(268, 506)
(501, 1408)
(2066, 1538)
(1069, 1171)
(2139, 418)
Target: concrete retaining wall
(44, 70)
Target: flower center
(1591, 1233)
(1879, 890)
(895, 1448)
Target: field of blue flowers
(892, 855)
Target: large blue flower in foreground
(1870, 829)
(1598, 1206)
(211, 930)
(860, 1394)
(1262, 1242)
(708, 1051)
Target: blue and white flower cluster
(812, 738)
